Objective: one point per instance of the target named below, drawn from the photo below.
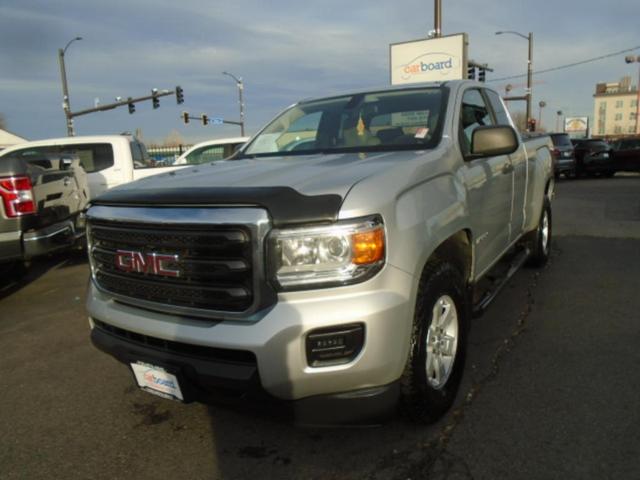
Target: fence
(167, 155)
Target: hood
(296, 189)
(308, 174)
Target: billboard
(429, 60)
(576, 125)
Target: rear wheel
(438, 344)
(541, 241)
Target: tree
(3, 123)
(174, 139)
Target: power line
(569, 65)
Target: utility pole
(529, 75)
(240, 86)
(66, 106)
(529, 94)
(437, 18)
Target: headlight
(343, 253)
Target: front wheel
(438, 344)
(541, 248)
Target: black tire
(421, 401)
(541, 247)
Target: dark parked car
(593, 156)
(626, 155)
(564, 160)
(41, 199)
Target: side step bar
(518, 260)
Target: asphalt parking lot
(551, 388)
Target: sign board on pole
(429, 60)
(217, 121)
(576, 125)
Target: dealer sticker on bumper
(157, 380)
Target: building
(615, 109)
(8, 139)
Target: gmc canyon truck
(333, 265)
(41, 198)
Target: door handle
(508, 168)
(66, 181)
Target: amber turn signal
(368, 247)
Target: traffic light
(185, 117)
(471, 73)
(205, 119)
(131, 105)
(482, 74)
(179, 95)
(155, 99)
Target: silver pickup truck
(334, 265)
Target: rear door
(520, 171)
(489, 184)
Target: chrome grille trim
(255, 220)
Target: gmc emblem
(149, 263)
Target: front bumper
(384, 305)
(235, 382)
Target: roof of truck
(387, 88)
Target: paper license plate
(157, 380)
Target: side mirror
(65, 163)
(492, 141)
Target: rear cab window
(94, 157)
(561, 140)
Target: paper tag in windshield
(421, 132)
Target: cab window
(474, 113)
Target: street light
(65, 88)
(559, 116)
(240, 91)
(542, 104)
(633, 59)
(529, 38)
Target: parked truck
(333, 265)
(111, 160)
(41, 204)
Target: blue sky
(284, 51)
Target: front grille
(210, 267)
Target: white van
(110, 160)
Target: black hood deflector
(285, 205)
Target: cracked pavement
(550, 389)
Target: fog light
(334, 345)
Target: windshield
(378, 121)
